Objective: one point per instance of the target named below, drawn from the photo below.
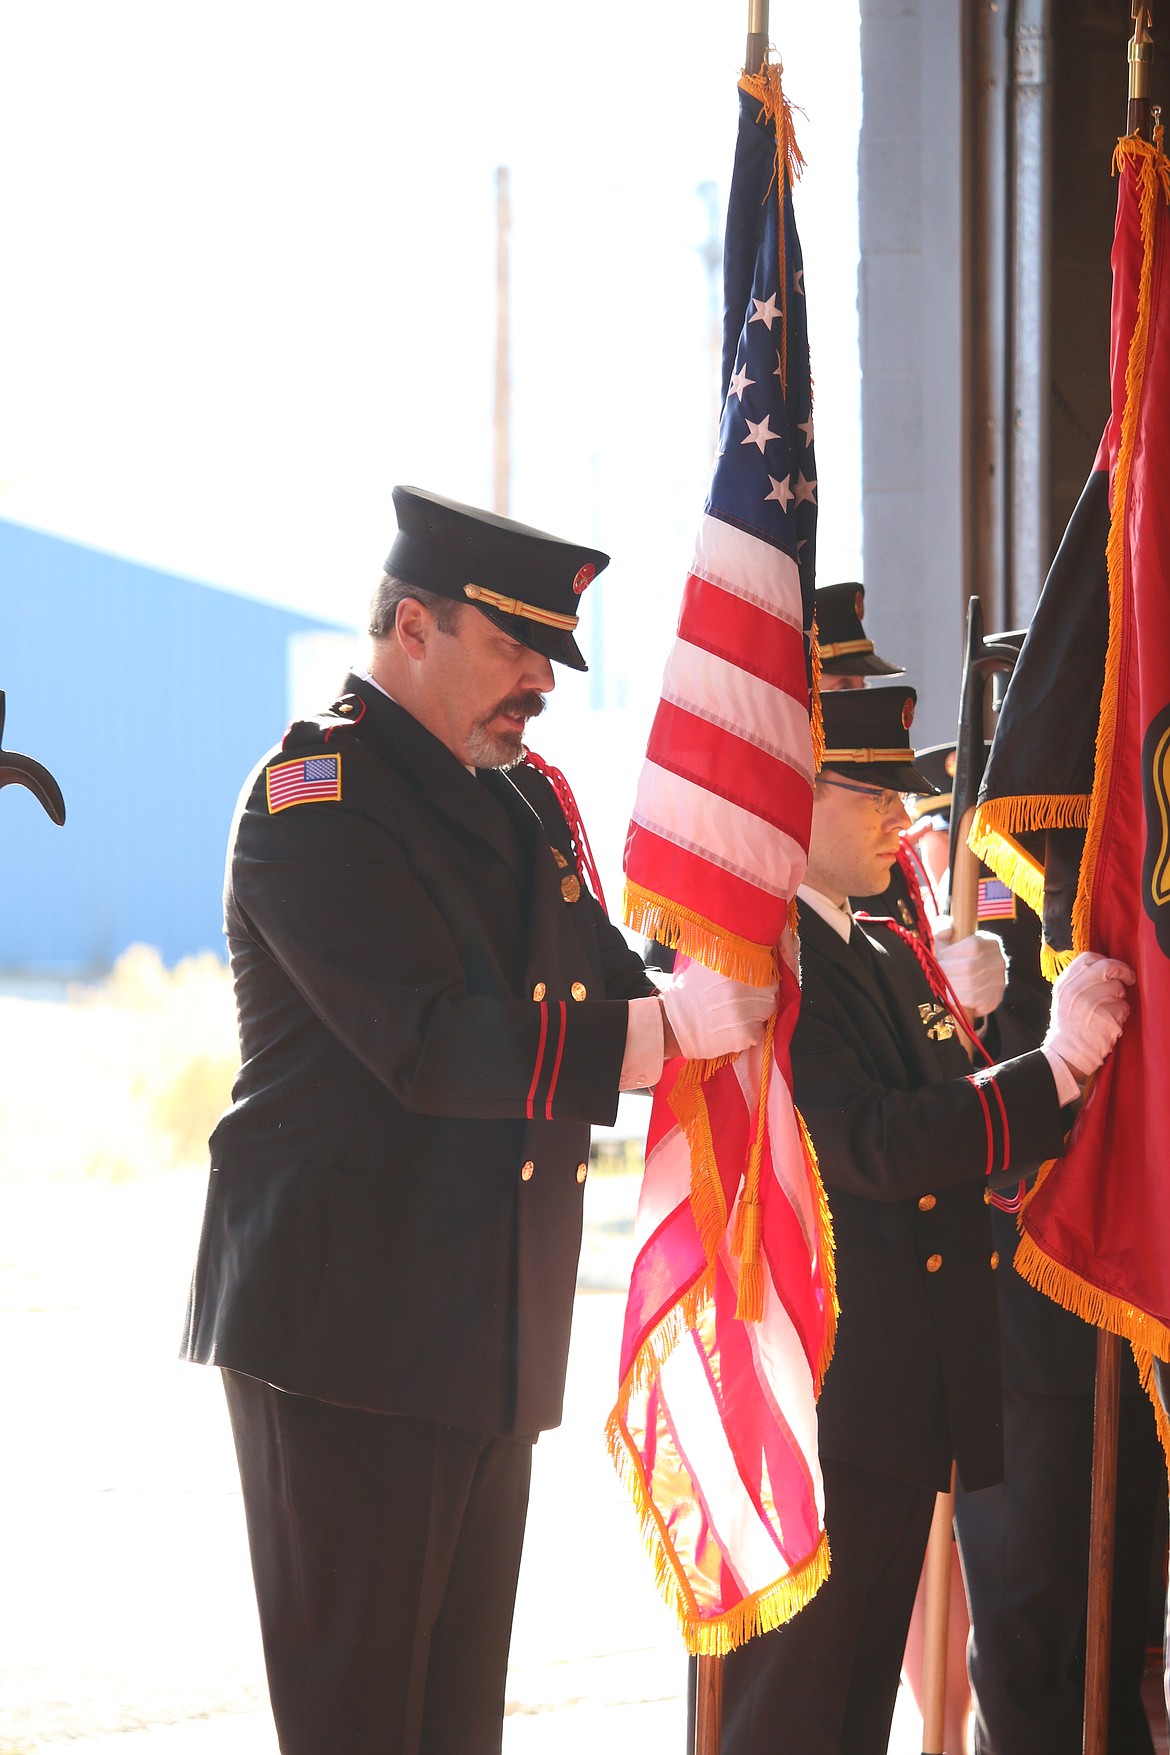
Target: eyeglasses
(885, 801)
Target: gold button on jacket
(933, 1263)
(582, 1172)
(995, 1258)
(527, 1170)
(539, 991)
(578, 990)
(926, 1203)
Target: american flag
(731, 1312)
(311, 779)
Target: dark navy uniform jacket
(432, 1012)
(907, 1137)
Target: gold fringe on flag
(1153, 173)
(1148, 1336)
(826, 1254)
(683, 930)
(712, 1636)
(997, 822)
(816, 717)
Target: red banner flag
(1097, 1225)
(731, 1312)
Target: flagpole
(709, 1678)
(1103, 1504)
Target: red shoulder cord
(582, 852)
(942, 990)
(919, 886)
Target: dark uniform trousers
(385, 1552)
(433, 1011)
(906, 1139)
(825, 1684)
(1025, 1543)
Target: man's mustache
(529, 705)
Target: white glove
(1088, 1009)
(711, 1014)
(975, 967)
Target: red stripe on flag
(729, 627)
(759, 1436)
(729, 766)
(704, 888)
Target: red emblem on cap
(584, 577)
(907, 713)
(859, 605)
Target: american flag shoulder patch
(311, 780)
(996, 901)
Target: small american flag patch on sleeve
(312, 780)
(996, 901)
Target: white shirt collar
(840, 919)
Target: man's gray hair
(392, 591)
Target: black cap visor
(860, 664)
(555, 643)
(896, 776)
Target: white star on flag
(758, 433)
(739, 383)
(781, 490)
(806, 427)
(766, 310)
(798, 281)
(805, 490)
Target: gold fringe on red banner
(1145, 1334)
(1153, 172)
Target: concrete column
(911, 305)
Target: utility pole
(502, 415)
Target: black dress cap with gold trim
(845, 648)
(867, 737)
(528, 582)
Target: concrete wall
(911, 300)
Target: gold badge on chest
(937, 1022)
(570, 883)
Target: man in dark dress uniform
(908, 1140)
(433, 1009)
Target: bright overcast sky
(250, 276)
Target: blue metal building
(149, 697)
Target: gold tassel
(826, 1252)
(775, 108)
(749, 1302)
(695, 936)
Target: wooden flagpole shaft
(937, 1621)
(1101, 1531)
(709, 1681)
(709, 1706)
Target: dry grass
(123, 1079)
